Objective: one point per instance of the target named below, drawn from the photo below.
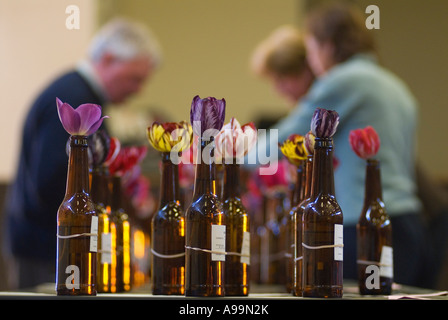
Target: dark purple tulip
(324, 123)
(99, 143)
(206, 114)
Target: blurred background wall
(207, 46)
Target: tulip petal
(89, 114)
(68, 116)
(95, 126)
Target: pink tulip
(364, 142)
(82, 121)
(234, 141)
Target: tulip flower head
(234, 141)
(324, 123)
(207, 116)
(114, 150)
(309, 142)
(82, 121)
(294, 149)
(99, 144)
(170, 136)
(126, 159)
(364, 142)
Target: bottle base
(169, 290)
(205, 291)
(322, 292)
(236, 290)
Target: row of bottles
(298, 243)
(204, 252)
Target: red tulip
(365, 142)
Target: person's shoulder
(69, 87)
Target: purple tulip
(324, 123)
(82, 121)
(206, 114)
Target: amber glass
(296, 198)
(204, 270)
(168, 235)
(99, 193)
(274, 238)
(237, 228)
(322, 229)
(76, 248)
(121, 240)
(374, 232)
(297, 229)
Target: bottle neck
(231, 181)
(323, 176)
(373, 189)
(78, 166)
(205, 169)
(116, 193)
(298, 191)
(169, 182)
(308, 176)
(98, 186)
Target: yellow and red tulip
(294, 149)
(170, 136)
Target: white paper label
(245, 249)
(386, 262)
(106, 248)
(94, 234)
(218, 242)
(338, 240)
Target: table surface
(258, 292)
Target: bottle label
(338, 242)
(106, 248)
(245, 249)
(386, 262)
(94, 234)
(218, 242)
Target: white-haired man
(122, 56)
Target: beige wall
(207, 46)
(35, 46)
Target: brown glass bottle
(374, 237)
(237, 271)
(296, 198)
(99, 192)
(77, 227)
(205, 231)
(322, 229)
(168, 235)
(121, 240)
(297, 229)
(275, 237)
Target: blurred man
(121, 57)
